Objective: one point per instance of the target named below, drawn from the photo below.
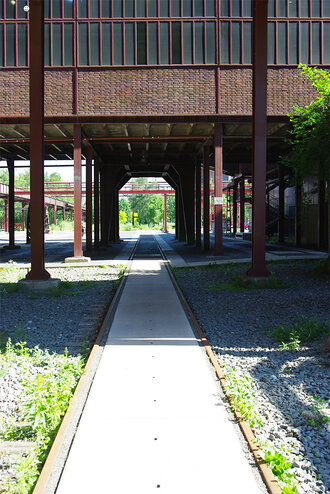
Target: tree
(309, 136)
(4, 177)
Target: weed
(48, 381)
(302, 331)
(316, 416)
(242, 393)
(10, 273)
(239, 283)
(280, 467)
(293, 344)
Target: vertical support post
(116, 215)
(281, 204)
(187, 179)
(235, 209)
(63, 213)
(323, 206)
(96, 204)
(242, 200)
(11, 204)
(165, 213)
(198, 205)
(36, 62)
(259, 135)
(206, 198)
(218, 251)
(89, 202)
(55, 214)
(23, 218)
(176, 214)
(6, 215)
(70, 214)
(298, 215)
(77, 251)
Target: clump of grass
(240, 283)
(48, 381)
(302, 331)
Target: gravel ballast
(60, 320)
(236, 325)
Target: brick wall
(154, 91)
(148, 92)
(59, 92)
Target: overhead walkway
(154, 420)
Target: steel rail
(265, 471)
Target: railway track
(144, 249)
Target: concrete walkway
(154, 420)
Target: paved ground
(154, 418)
(59, 245)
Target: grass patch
(240, 283)
(303, 330)
(9, 276)
(48, 381)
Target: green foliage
(317, 415)
(322, 266)
(310, 133)
(9, 276)
(4, 177)
(48, 381)
(63, 226)
(239, 283)
(302, 331)
(280, 467)
(122, 217)
(242, 393)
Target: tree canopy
(309, 135)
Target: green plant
(242, 394)
(280, 467)
(317, 416)
(303, 329)
(322, 266)
(293, 344)
(239, 283)
(48, 381)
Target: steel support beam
(165, 213)
(259, 137)
(235, 209)
(11, 204)
(198, 191)
(298, 215)
(36, 44)
(96, 204)
(89, 201)
(242, 200)
(281, 188)
(218, 193)
(77, 251)
(206, 198)
(187, 178)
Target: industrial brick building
(146, 87)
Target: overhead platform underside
(148, 147)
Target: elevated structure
(158, 88)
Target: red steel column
(55, 214)
(63, 213)
(242, 200)
(77, 251)
(96, 204)
(6, 215)
(198, 204)
(89, 216)
(23, 218)
(11, 204)
(218, 251)
(206, 198)
(165, 213)
(36, 59)
(259, 160)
